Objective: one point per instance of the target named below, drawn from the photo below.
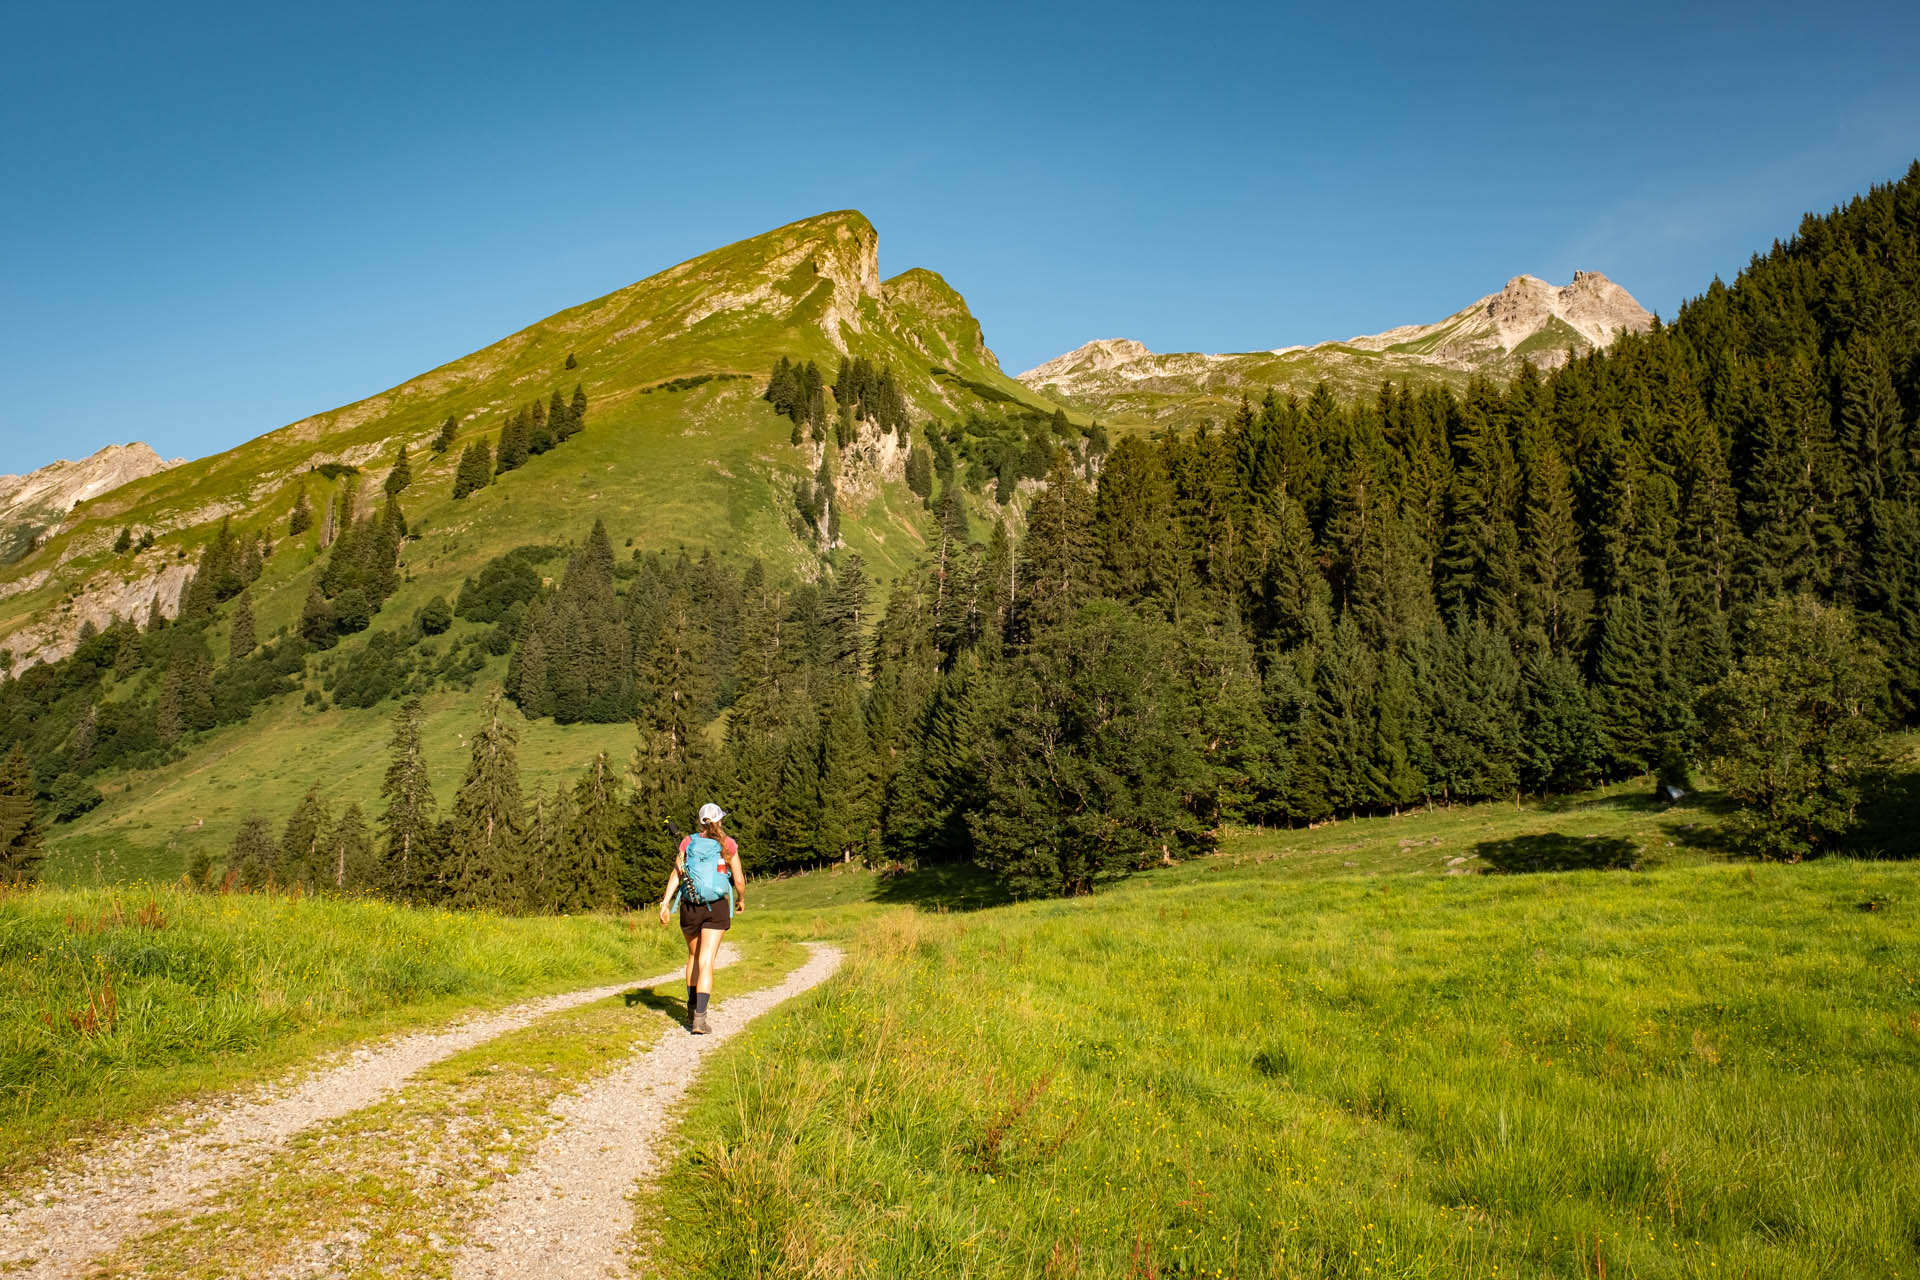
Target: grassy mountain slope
(678, 450)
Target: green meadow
(1322, 1054)
(1561, 1039)
(116, 1002)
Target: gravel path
(567, 1212)
(55, 1229)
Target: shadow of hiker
(654, 1000)
(1552, 851)
(956, 886)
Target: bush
(434, 617)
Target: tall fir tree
(486, 831)
(408, 869)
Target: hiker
(709, 880)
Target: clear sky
(218, 219)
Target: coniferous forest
(1696, 550)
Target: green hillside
(678, 450)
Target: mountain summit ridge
(1528, 319)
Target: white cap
(711, 812)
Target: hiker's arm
(738, 873)
(673, 884)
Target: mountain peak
(1098, 356)
(1529, 320)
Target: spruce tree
(588, 879)
(444, 440)
(407, 823)
(486, 832)
(304, 858)
(124, 542)
(539, 430)
(241, 641)
(576, 411)
(253, 859)
(401, 475)
(1790, 730)
(850, 818)
(475, 470)
(1057, 557)
(350, 850)
(300, 519)
(20, 835)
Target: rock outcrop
(60, 486)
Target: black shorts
(717, 914)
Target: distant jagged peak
(1097, 356)
(60, 486)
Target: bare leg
(693, 960)
(709, 950)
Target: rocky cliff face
(33, 504)
(1528, 320)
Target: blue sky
(222, 218)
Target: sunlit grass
(1319, 1054)
(115, 1002)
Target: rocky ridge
(1528, 320)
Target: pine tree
(1057, 558)
(124, 542)
(540, 436)
(317, 620)
(486, 832)
(401, 475)
(515, 439)
(300, 519)
(1790, 731)
(844, 621)
(253, 859)
(20, 835)
(919, 473)
(850, 820)
(304, 859)
(351, 852)
(1554, 598)
(588, 879)
(475, 470)
(444, 441)
(241, 641)
(185, 701)
(576, 411)
(407, 823)
(1794, 500)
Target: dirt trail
(70, 1219)
(567, 1212)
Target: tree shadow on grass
(1552, 851)
(949, 887)
(676, 1008)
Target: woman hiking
(709, 880)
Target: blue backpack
(704, 881)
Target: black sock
(703, 997)
(689, 999)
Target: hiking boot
(700, 1027)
